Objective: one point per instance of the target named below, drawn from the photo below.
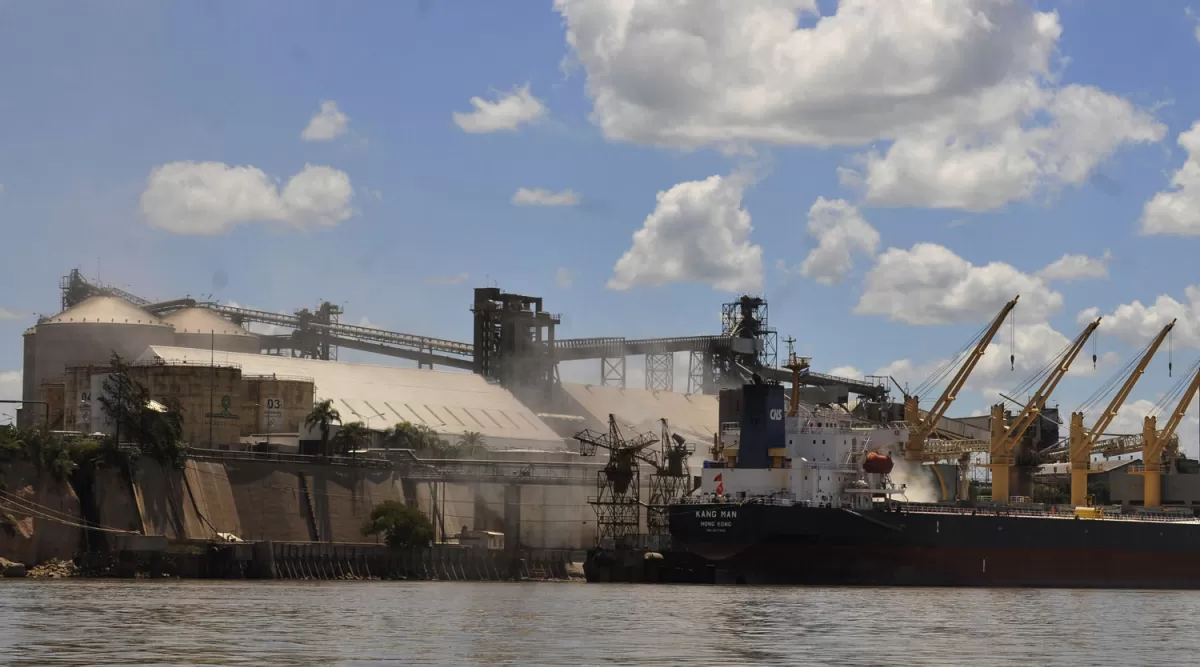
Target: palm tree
(351, 436)
(471, 441)
(323, 415)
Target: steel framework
(618, 501)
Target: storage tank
(275, 404)
(201, 328)
(211, 398)
(28, 388)
(89, 332)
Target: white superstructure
(820, 464)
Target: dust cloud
(922, 486)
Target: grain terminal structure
(241, 390)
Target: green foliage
(400, 526)
(471, 443)
(154, 428)
(421, 439)
(322, 417)
(55, 455)
(351, 436)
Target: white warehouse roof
(447, 402)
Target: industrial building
(240, 389)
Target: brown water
(425, 623)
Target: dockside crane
(920, 429)
(1154, 440)
(1004, 436)
(1081, 442)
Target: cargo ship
(807, 497)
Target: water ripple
(375, 623)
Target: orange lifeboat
(878, 464)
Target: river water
(77, 622)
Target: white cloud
(841, 232)
(1076, 267)
(1136, 324)
(979, 169)
(326, 124)
(698, 232)
(1177, 210)
(562, 277)
(509, 111)
(540, 197)
(456, 279)
(965, 89)
(698, 73)
(213, 197)
(6, 314)
(10, 388)
(847, 372)
(929, 284)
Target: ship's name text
(717, 514)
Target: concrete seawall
(282, 500)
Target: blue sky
(398, 200)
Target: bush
(401, 526)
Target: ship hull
(775, 544)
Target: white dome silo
(201, 328)
(88, 333)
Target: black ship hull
(779, 544)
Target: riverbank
(198, 559)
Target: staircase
(306, 509)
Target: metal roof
(203, 320)
(447, 402)
(104, 310)
(693, 417)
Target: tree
(471, 442)
(400, 526)
(351, 436)
(322, 416)
(417, 437)
(154, 427)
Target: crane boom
(1153, 442)
(920, 429)
(1005, 437)
(1081, 442)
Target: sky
(886, 174)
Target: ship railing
(1142, 467)
(1057, 512)
(835, 466)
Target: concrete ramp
(267, 497)
(116, 506)
(209, 506)
(344, 497)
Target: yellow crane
(1004, 436)
(1153, 441)
(920, 429)
(1081, 442)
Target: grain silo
(204, 329)
(88, 333)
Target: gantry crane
(920, 429)
(1153, 441)
(1004, 436)
(1081, 442)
